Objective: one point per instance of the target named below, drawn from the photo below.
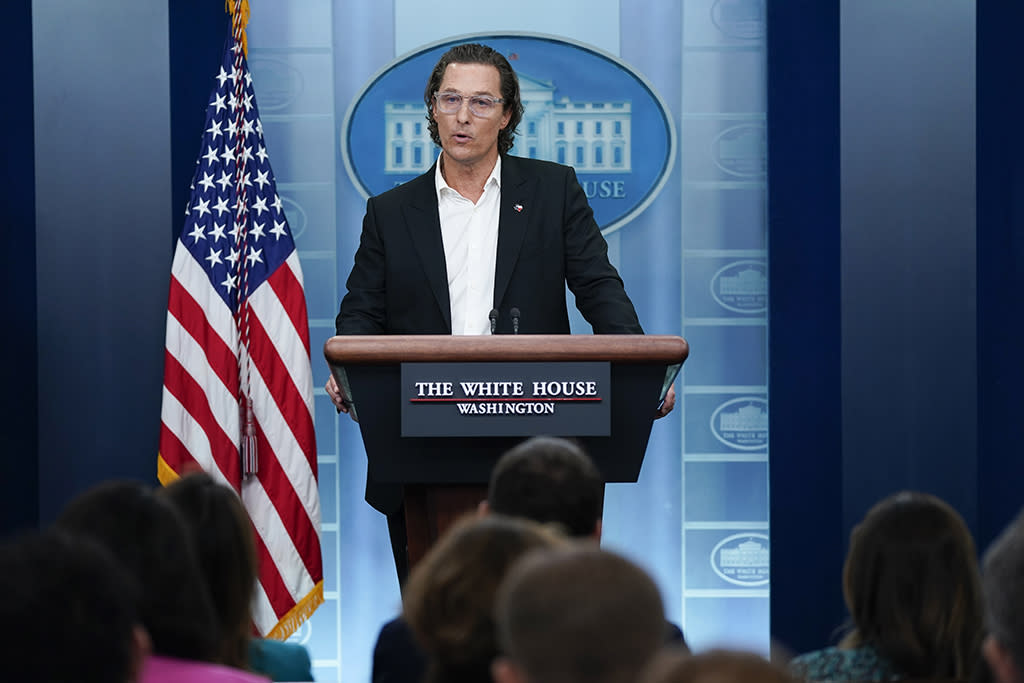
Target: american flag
(238, 336)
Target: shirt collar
(440, 185)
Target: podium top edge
(616, 348)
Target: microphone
(493, 315)
(515, 320)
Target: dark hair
(549, 480)
(579, 615)
(147, 536)
(449, 599)
(912, 587)
(1003, 582)
(223, 538)
(475, 53)
(714, 666)
(68, 610)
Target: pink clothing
(159, 669)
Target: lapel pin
(518, 208)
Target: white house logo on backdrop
(742, 19)
(584, 108)
(741, 287)
(742, 423)
(280, 83)
(740, 150)
(742, 559)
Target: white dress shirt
(470, 235)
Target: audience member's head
(147, 536)
(1003, 579)
(715, 666)
(912, 587)
(577, 615)
(449, 599)
(549, 480)
(223, 538)
(69, 614)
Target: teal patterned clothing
(835, 664)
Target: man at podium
(482, 243)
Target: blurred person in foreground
(449, 601)
(1003, 584)
(69, 612)
(226, 549)
(148, 537)
(577, 615)
(715, 666)
(912, 587)
(544, 479)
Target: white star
(245, 178)
(221, 206)
(246, 154)
(234, 74)
(257, 231)
(228, 155)
(229, 283)
(236, 230)
(247, 127)
(277, 203)
(207, 181)
(232, 128)
(260, 205)
(218, 232)
(219, 99)
(214, 257)
(248, 79)
(211, 155)
(202, 207)
(222, 76)
(214, 128)
(197, 233)
(259, 126)
(233, 102)
(278, 229)
(262, 154)
(225, 181)
(248, 102)
(233, 257)
(254, 256)
(261, 178)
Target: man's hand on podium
(667, 405)
(341, 401)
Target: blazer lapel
(424, 227)
(517, 194)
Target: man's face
(469, 139)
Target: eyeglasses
(479, 105)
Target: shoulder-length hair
(475, 53)
(912, 586)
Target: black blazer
(547, 238)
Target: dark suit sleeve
(600, 294)
(364, 309)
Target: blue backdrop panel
(686, 230)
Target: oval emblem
(297, 218)
(740, 19)
(743, 559)
(280, 83)
(742, 423)
(584, 108)
(740, 150)
(741, 287)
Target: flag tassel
(248, 445)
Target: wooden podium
(442, 477)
